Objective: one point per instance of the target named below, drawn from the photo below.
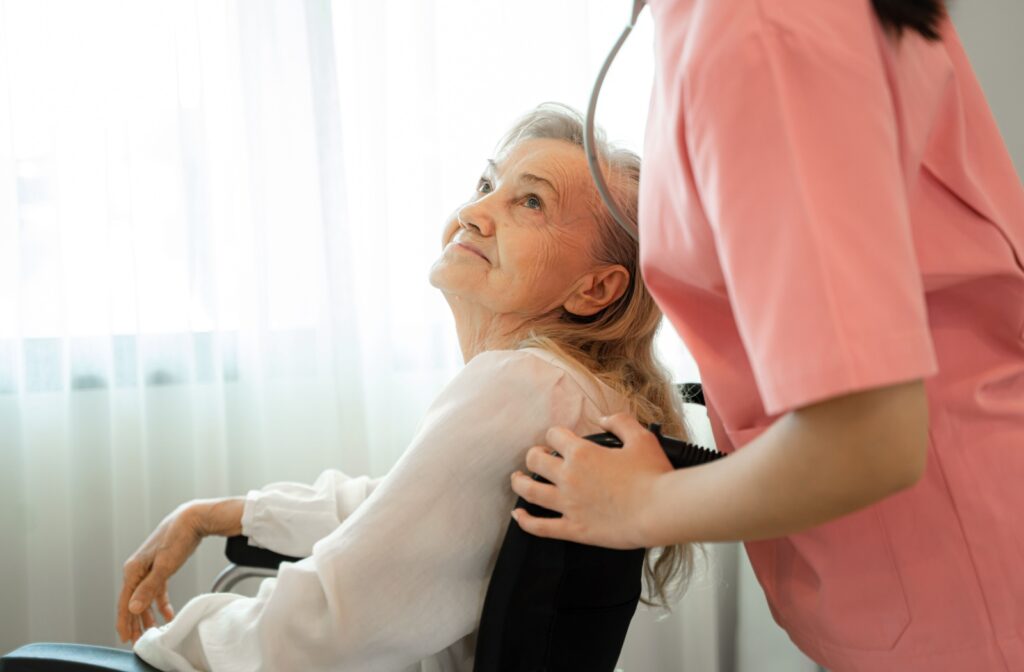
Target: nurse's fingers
(542, 462)
(564, 440)
(624, 426)
(539, 493)
(553, 528)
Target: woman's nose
(474, 216)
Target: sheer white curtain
(216, 220)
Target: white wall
(990, 31)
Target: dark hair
(920, 15)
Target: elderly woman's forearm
(222, 516)
(810, 467)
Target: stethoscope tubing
(590, 143)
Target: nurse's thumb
(624, 426)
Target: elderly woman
(556, 331)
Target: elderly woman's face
(523, 240)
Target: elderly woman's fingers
(134, 571)
(148, 618)
(147, 571)
(542, 462)
(539, 493)
(163, 602)
(153, 585)
(123, 632)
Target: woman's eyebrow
(492, 168)
(537, 179)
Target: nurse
(831, 222)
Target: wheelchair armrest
(241, 553)
(72, 658)
(83, 658)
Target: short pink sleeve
(795, 152)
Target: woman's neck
(480, 330)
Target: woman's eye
(532, 202)
(484, 186)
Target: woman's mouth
(472, 248)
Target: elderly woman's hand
(601, 493)
(171, 544)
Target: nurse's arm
(814, 464)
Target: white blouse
(398, 567)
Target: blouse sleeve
(793, 137)
(405, 575)
(289, 518)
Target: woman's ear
(597, 290)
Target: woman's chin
(448, 275)
(436, 276)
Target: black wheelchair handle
(681, 454)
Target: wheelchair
(551, 605)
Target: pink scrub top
(825, 209)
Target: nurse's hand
(602, 494)
(168, 548)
